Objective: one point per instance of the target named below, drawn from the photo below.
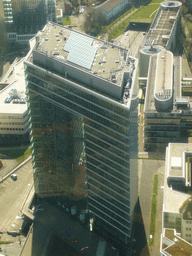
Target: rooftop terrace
(91, 54)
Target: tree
(1, 165)
(75, 3)
(94, 22)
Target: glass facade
(27, 17)
(83, 145)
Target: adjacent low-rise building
(186, 222)
(177, 206)
(164, 26)
(167, 106)
(112, 8)
(172, 244)
(14, 126)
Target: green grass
(142, 14)
(66, 21)
(19, 154)
(26, 154)
(106, 28)
(189, 25)
(5, 242)
(157, 1)
(153, 208)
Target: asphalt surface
(12, 196)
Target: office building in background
(23, 18)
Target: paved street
(12, 195)
(12, 249)
(8, 165)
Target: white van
(14, 177)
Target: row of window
(25, 37)
(188, 229)
(13, 129)
(11, 36)
(188, 221)
(188, 235)
(12, 123)
(11, 117)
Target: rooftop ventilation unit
(165, 38)
(172, 18)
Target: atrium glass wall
(27, 17)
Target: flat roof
(177, 246)
(164, 73)
(13, 83)
(91, 54)
(162, 25)
(173, 199)
(101, 67)
(176, 159)
(160, 78)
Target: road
(132, 40)
(12, 195)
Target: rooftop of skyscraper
(105, 66)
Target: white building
(59, 16)
(14, 126)
(186, 222)
(112, 8)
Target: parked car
(14, 177)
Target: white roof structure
(12, 87)
(173, 199)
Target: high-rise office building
(23, 18)
(82, 97)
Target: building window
(186, 235)
(186, 228)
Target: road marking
(15, 189)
